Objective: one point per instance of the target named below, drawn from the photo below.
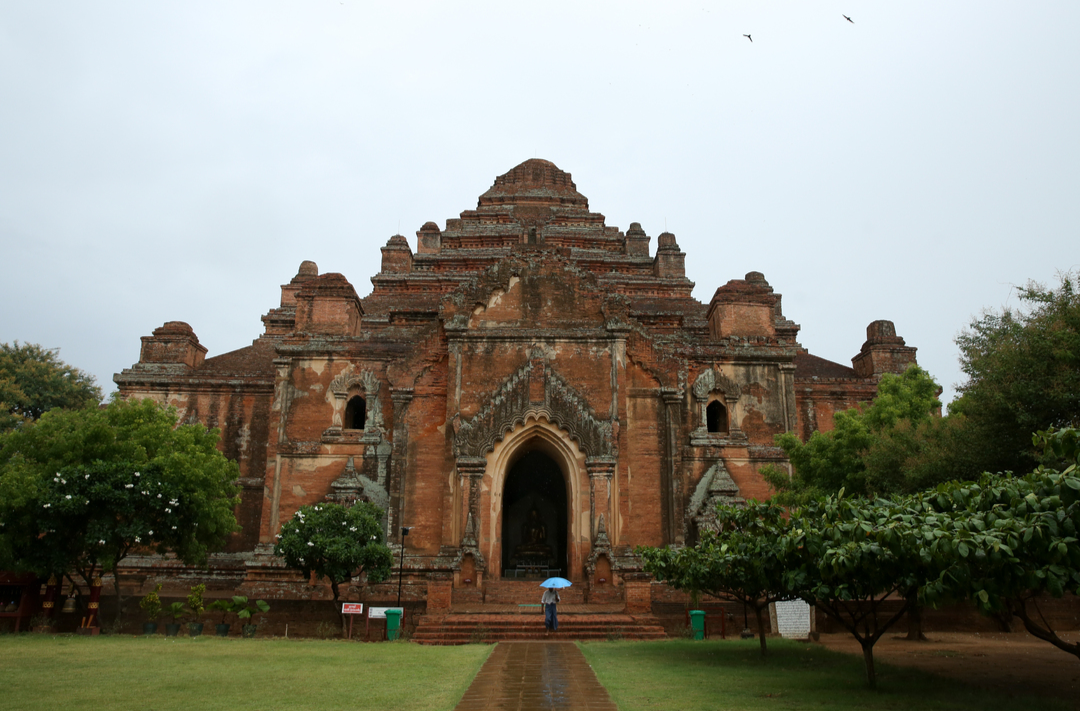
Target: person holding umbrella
(550, 599)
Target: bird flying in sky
(848, 19)
(749, 37)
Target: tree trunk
(760, 629)
(868, 660)
(914, 623)
(337, 607)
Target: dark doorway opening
(534, 522)
(356, 413)
(717, 417)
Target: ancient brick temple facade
(530, 390)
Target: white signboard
(379, 613)
(793, 619)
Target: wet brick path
(536, 675)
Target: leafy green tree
(80, 490)
(34, 379)
(1023, 368)
(737, 560)
(1015, 539)
(336, 543)
(853, 557)
(837, 459)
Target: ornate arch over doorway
(533, 416)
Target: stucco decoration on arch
(711, 380)
(715, 487)
(510, 407)
(344, 383)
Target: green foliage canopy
(838, 459)
(1015, 538)
(1023, 368)
(736, 560)
(82, 489)
(34, 380)
(337, 543)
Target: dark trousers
(551, 619)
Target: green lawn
(730, 675)
(206, 673)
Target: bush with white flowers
(337, 543)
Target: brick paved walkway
(528, 676)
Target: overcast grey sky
(178, 160)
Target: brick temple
(532, 391)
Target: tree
(849, 556)
(1023, 368)
(1016, 539)
(737, 560)
(336, 543)
(837, 459)
(80, 490)
(34, 380)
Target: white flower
(87, 476)
(63, 481)
(87, 502)
(68, 496)
(159, 496)
(101, 542)
(151, 533)
(46, 506)
(352, 528)
(300, 559)
(174, 528)
(137, 539)
(168, 510)
(128, 486)
(136, 473)
(310, 543)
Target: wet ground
(1010, 663)
(536, 675)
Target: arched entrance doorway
(534, 518)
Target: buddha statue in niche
(534, 543)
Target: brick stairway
(465, 628)
(527, 591)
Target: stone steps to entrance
(519, 592)
(485, 627)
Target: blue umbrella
(556, 583)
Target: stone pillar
(395, 514)
(470, 471)
(600, 469)
(669, 482)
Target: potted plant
(196, 607)
(244, 610)
(224, 607)
(173, 611)
(151, 605)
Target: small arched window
(716, 417)
(356, 413)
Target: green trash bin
(697, 623)
(393, 624)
